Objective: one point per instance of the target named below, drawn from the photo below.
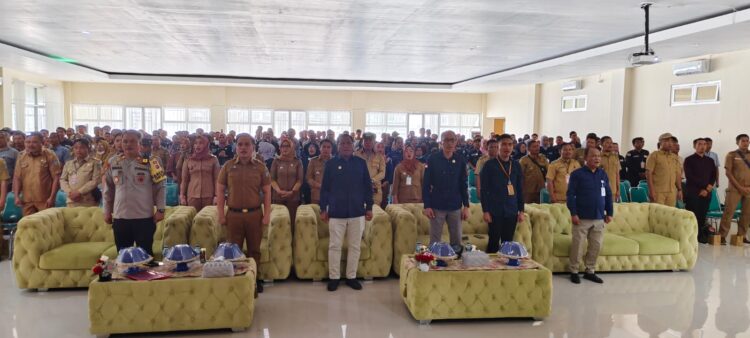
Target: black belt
(244, 211)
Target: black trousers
(141, 231)
(699, 206)
(502, 229)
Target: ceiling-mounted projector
(647, 55)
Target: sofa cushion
(322, 252)
(613, 245)
(73, 256)
(653, 244)
(111, 252)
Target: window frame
(575, 98)
(694, 93)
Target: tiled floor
(710, 301)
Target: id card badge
(408, 180)
(73, 179)
(604, 191)
(511, 191)
(567, 179)
(643, 165)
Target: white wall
(517, 105)
(53, 91)
(219, 98)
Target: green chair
(638, 195)
(626, 184)
(10, 217)
(643, 186)
(680, 205)
(714, 209)
(473, 196)
(173, 194)
(624, 190)
(472, 178)
(738, 211)
(544, 196)
(642, 182)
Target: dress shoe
(575, 278)
(333, 284)
(354, 284)
(723, 241)
(259, 286)
(593, 277)
(744, 240)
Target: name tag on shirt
(643, 165)
(604, 191)
(73, 179)
(567, 179)
(408, 180)
(511, 191)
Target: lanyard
(509, 171)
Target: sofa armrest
(404, 233)
(379, 236)
(279, 241)
(35, 235)
(524, 234)
(177, 226)
(206, 231)
(541, 234)
(305, 238)
(676, 224)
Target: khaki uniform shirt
(314, 176)
(580, 156)
(37, 174)
(533, 179)
(162, 155)
(375, 165)
(480, 163)
(559, 173)
(199, 177)
(244, 183)
(611, 166)
(82, 176)
(408, 188)
(665, 169)
(132, 187)
(3, 171)
(733, 163)
(286, 173)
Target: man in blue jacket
(590, 204)
(502, 196)
(345, 203)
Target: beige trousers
(352, 228)
(593, 231)
(731, 201)
(666, 198)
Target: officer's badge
(144, 161)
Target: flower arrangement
(424, 259)
(103, 268)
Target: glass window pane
(193, 126)
(707, 93)
(84, 112)
(199, 115)
(29, 124)
(317, 118)
(30, 95)
(152, 118)
(397, 119)
(340, 118)
(110, 113)
(683, 94)
(298, 120)
(568, 103)
(581, 103)
(262, 116)
(134, 117)
(449, 120)
(174, 114)
(375, 119)
(280, 121)
(431, 121)
(470, 120)
(174, 127)
(235, 115)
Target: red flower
(98, 269)
(424, 257)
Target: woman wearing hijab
(199, 174)
(286, 178)
(313, 150)
(407, 179)
(520, 151)
(102, 150)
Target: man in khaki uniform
(316, 169)
(4, 179)
(159, 152)
(737, 166)
(559, 172)
(244, 179)
(375, 164)
(80, 176)
(534, 167)
(37, 176)
(611, 165)
(492, 150)
(591, 142)
(663, 174)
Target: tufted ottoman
(475, 294)
(172, 304)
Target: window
(696, 93)
(574, 103)
(460, 123)
(248, 120)
(190, 119)
(34, 108)
(96, 116)
(146, 118)
(382, 122)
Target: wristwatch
(160, 210)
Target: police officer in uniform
(559, 173)
(37, 176)
(664, 174)
(375, 165)
(243, 180)
(133, 185)
(534, 167)
(635, 161)
(80, 176)
(316, 169)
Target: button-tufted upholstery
(311, 242)
(476, 294)
(56, 248)
(275, 247)
(411, 226)
(172, 304)
(642, 236)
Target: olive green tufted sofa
(641, 237)
(411, 226)
(311, 245)
(275, 247)
(56, 248)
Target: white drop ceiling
(442, 42)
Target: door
(499, 126)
